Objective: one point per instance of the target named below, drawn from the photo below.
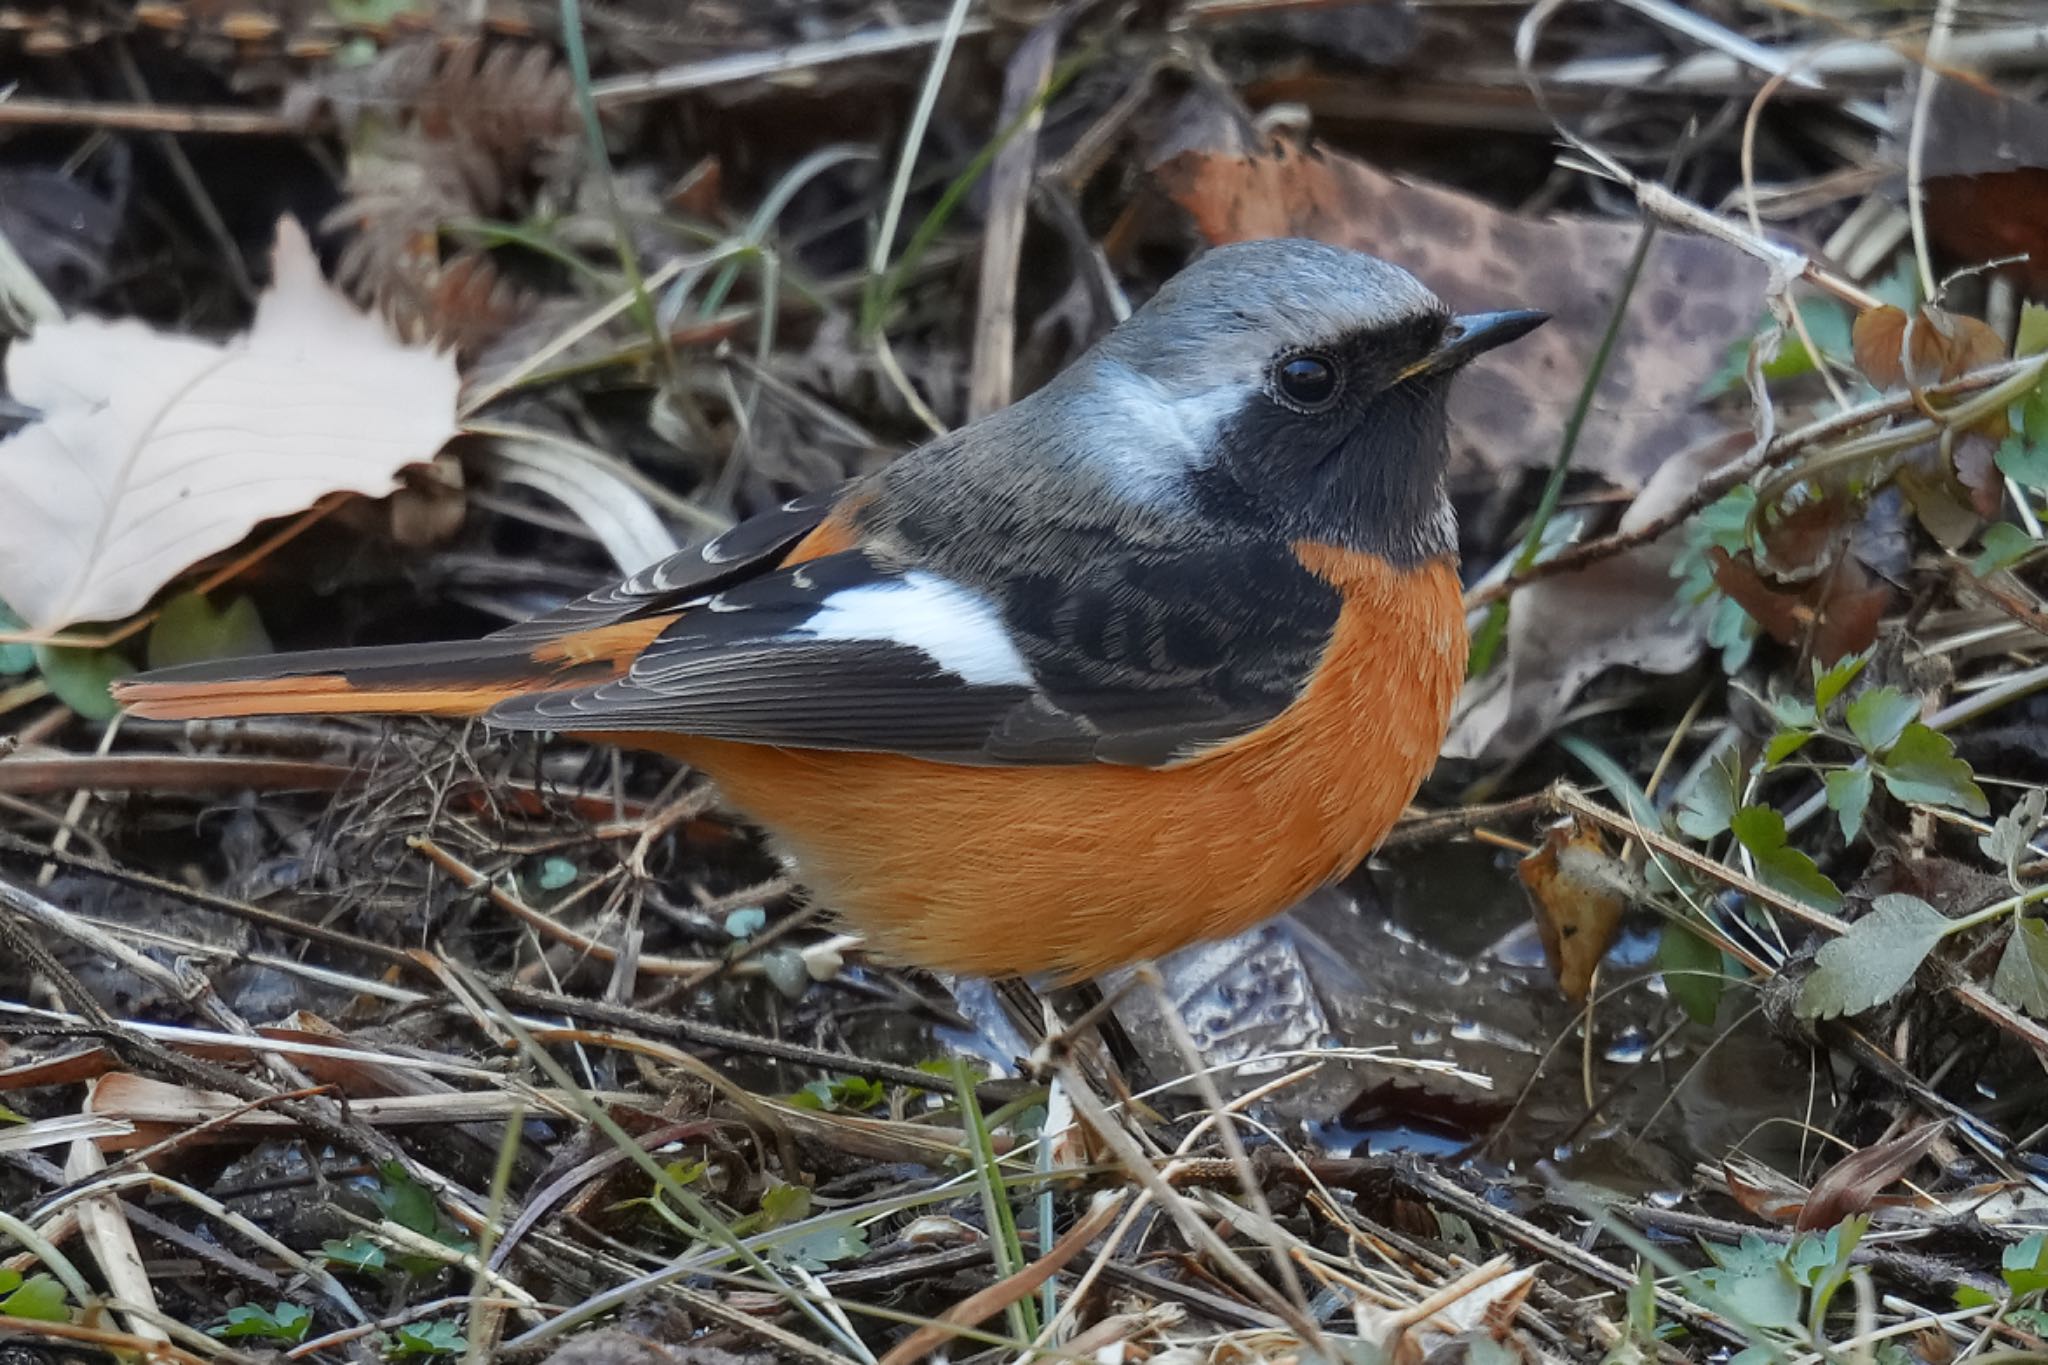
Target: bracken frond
(473, 130)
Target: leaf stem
(2010, 905)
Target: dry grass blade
(105, 1230)
(1110, 1129)
(996, 1297)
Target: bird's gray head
(1288, 383)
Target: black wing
(1126, 657)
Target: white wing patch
(957, 627)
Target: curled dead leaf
(1805, 536)
(1941, 503)
(1836, 613)
(1854, 1183)
(1579, 891)
(1895, 349)
(1762, 1192)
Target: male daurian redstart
(1137, 661)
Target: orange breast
(1077, 869)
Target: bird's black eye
(1307, 381)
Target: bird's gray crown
(1221, 320)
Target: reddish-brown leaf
(1578, 891)
(1783, 615)
(1762, 1192)
(1804, 537)
(1876, 340)
(700, 193)
(1835, 614)
(1854, 1183)
(1989, 217)
(1937, 345)
(1852, 606)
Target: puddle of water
(1422, 955)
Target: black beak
(1474, 334)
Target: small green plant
(1726, 525)
(2024, 1268)
(1641, 1332)
(827, 1246)
(38, 1297)
(1879, 955)
(357, 1253)
(842, 1094)
(287, 1323)
(1882, 727)
(410, 1205)
(421, 1340)
(1781, 1292)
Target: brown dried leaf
(1568, 630)
(1808, 534)
(1835, 614)
(1878, 338)
(1578, 890)
(1986, 186)
(1695, 298)
(700, 192)
(1938, 500)
(1970, 342)
(1937, 345)
(65, 1068)
(1850, 621)
(1854, 1183)
(1762, 1192)
(1783, 615)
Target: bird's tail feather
(458, 678)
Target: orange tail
(460, 678)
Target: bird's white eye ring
(1307, 381)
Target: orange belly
(1078, 869)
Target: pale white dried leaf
(157, 450)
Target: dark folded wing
(746, 549)
(1155, 657)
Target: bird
(1135, 662)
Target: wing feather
(726, 559)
